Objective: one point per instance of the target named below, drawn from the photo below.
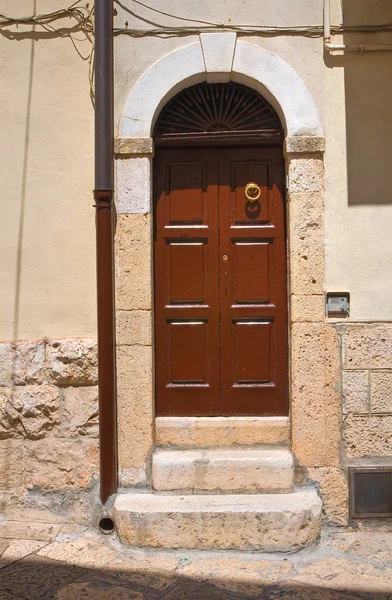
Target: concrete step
(263, 522)
(202, 432)
(227, 470)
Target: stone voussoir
(263, 522)
(199, 432)
(228, 470)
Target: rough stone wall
(367, 390)
(48, 426)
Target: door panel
(186, 282)
(251, 351)
(187, 352)
(187, 272)
(250, 271)
(220, 283)
(253, 303)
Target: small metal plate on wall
(337, 304)
(370, 492)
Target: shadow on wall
(368, 96)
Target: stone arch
(221, 57)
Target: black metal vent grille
(370, 492)
(210, 107)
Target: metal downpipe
(105, 223)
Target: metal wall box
(337, 304)
(370, 492)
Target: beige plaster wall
(47, 226)
(352, 94)
(47, 229)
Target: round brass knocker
(252, 192)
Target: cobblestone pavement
(67, 562)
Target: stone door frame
(314, 363)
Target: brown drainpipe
(105, 223)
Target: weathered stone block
(265, 522)
(134, 327)
(315, 397)
(332, 398)
(193, 432)
(306, 212)
(32, 411)
(135, 406)
(134, 262)
(367, 436)
(80, 412)
(381, 391)
(29, 363)
(6, 358)
(11, 464)
(133, 185)
(10, 426)
(72, 362)
(367, 347)
(356, 391)
(306, 174)
(306, 261)
(308, 418)
(58, 464)
(307, 308)
(304, 144)
(130, 146)
(333, 490)
(237, 470)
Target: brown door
(220, 283)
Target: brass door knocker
(252, 192)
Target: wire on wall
(82, 18)
(83, 15)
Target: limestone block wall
(367, 390)
(315, 409)
(48, 427)
(135, 374)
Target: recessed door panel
(187, 352)
(252, 351)
(186, 177)
(251, 271)
(220, 282)
(187, 272)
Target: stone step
(196, 432)
(263, 522)
(227, 470)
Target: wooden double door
(220, 282)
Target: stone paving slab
(34, 577)
(17, 549)
(76, 563)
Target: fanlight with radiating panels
(217, 107)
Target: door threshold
(193, 432)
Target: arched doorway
(220, 267)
